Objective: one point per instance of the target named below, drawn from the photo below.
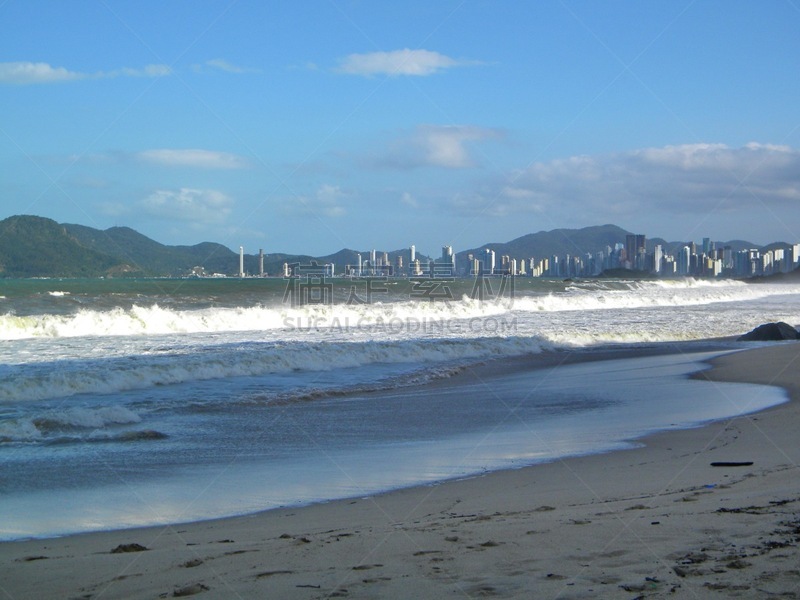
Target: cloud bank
(692, 180)
(398, 62)
(29, 73)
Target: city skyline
(327, 125)
(685, 260)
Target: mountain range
(32, 246)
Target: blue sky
(317, 125)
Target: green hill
(576, 242)
(149, 257)
(37, 247)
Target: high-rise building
(658, 255)
(633, 244)
(260, 262)
(241, 261)
(449, 258)
(476, 266)
(684, 261)
(489, 262)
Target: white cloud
(409, 200)
(329, 201)
(220, 64)
(398, 62)
(205, 159)
(695, 181)
(190, 205)
(26, 73)
(437, 146)
(146, 71)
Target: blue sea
(138, 402)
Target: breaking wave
(37, 381)
(593, 295)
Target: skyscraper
(658, 255)
(635, 245)
(449, 259)
(489, 262)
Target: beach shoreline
(657, 520)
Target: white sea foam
(159, 320)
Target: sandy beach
(658, 521)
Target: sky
(307, 127)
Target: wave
(155, 320)
(650, 294)
(391, 383)
(36, 381)
(592, 295)
(66, 424)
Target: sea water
(135, 402)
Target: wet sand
(658, 521)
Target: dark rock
(128, 548)
(196, 562)
(190, 590)
(771, 332)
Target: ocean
(139, 402)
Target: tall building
(260, 262)
(449, 258)
(685, 261)
(489, 262)
(241, 261)
(476, 266)
(635, 245)
(658, 255)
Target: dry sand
(653, 522)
